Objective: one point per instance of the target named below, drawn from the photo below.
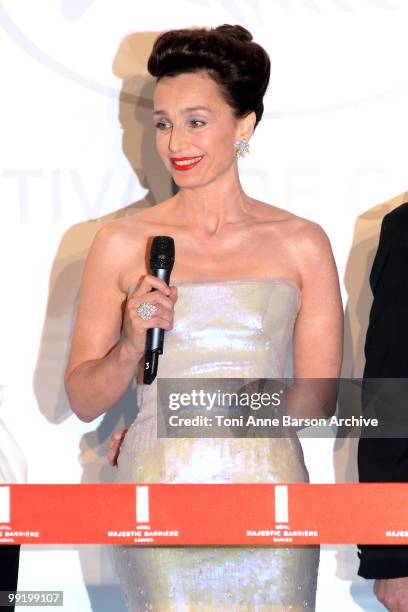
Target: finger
(173, 294)
(118, 434)
(150, 282)
(112, 457)
(158, 321)
(114, 444)
(113, 454)
(154, 297)
(159, 315)
(116, 437)
(116, 451)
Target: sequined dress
(228, 329)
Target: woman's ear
(246, 126)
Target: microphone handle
(155, 335)
(154, 338)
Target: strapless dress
(222, 329)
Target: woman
(245, 273)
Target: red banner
(204, 514)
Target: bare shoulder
(302, 245)
(305, 234)
(113, 235)
(308, 236)
(311, 253)
(129, 232)
(118, 252)
(310, 248)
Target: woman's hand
(115, 442)
(134, 327)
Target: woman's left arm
(318, 334)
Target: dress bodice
(225, 329)
(229, 329)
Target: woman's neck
(211, 207)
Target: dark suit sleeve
(9, 561)
(386, 351)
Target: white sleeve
(13, 466)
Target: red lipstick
(185, 163)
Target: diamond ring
(146, 311)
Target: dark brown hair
(239, 66)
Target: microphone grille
(162, 253)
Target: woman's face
(195, 129)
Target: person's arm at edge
(100, 366)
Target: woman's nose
(178, 139)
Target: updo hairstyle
(239, 66)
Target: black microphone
(161, 265)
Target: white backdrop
(76, 150)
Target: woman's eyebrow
(185, 110)
(196, 108)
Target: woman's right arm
(101, 366)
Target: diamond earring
(242, 147)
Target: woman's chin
(185, 181)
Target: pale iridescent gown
(231, 329)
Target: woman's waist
(199, 440)
(147, 458)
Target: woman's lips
(185, 163)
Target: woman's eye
(195, 123)
(162, 125)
